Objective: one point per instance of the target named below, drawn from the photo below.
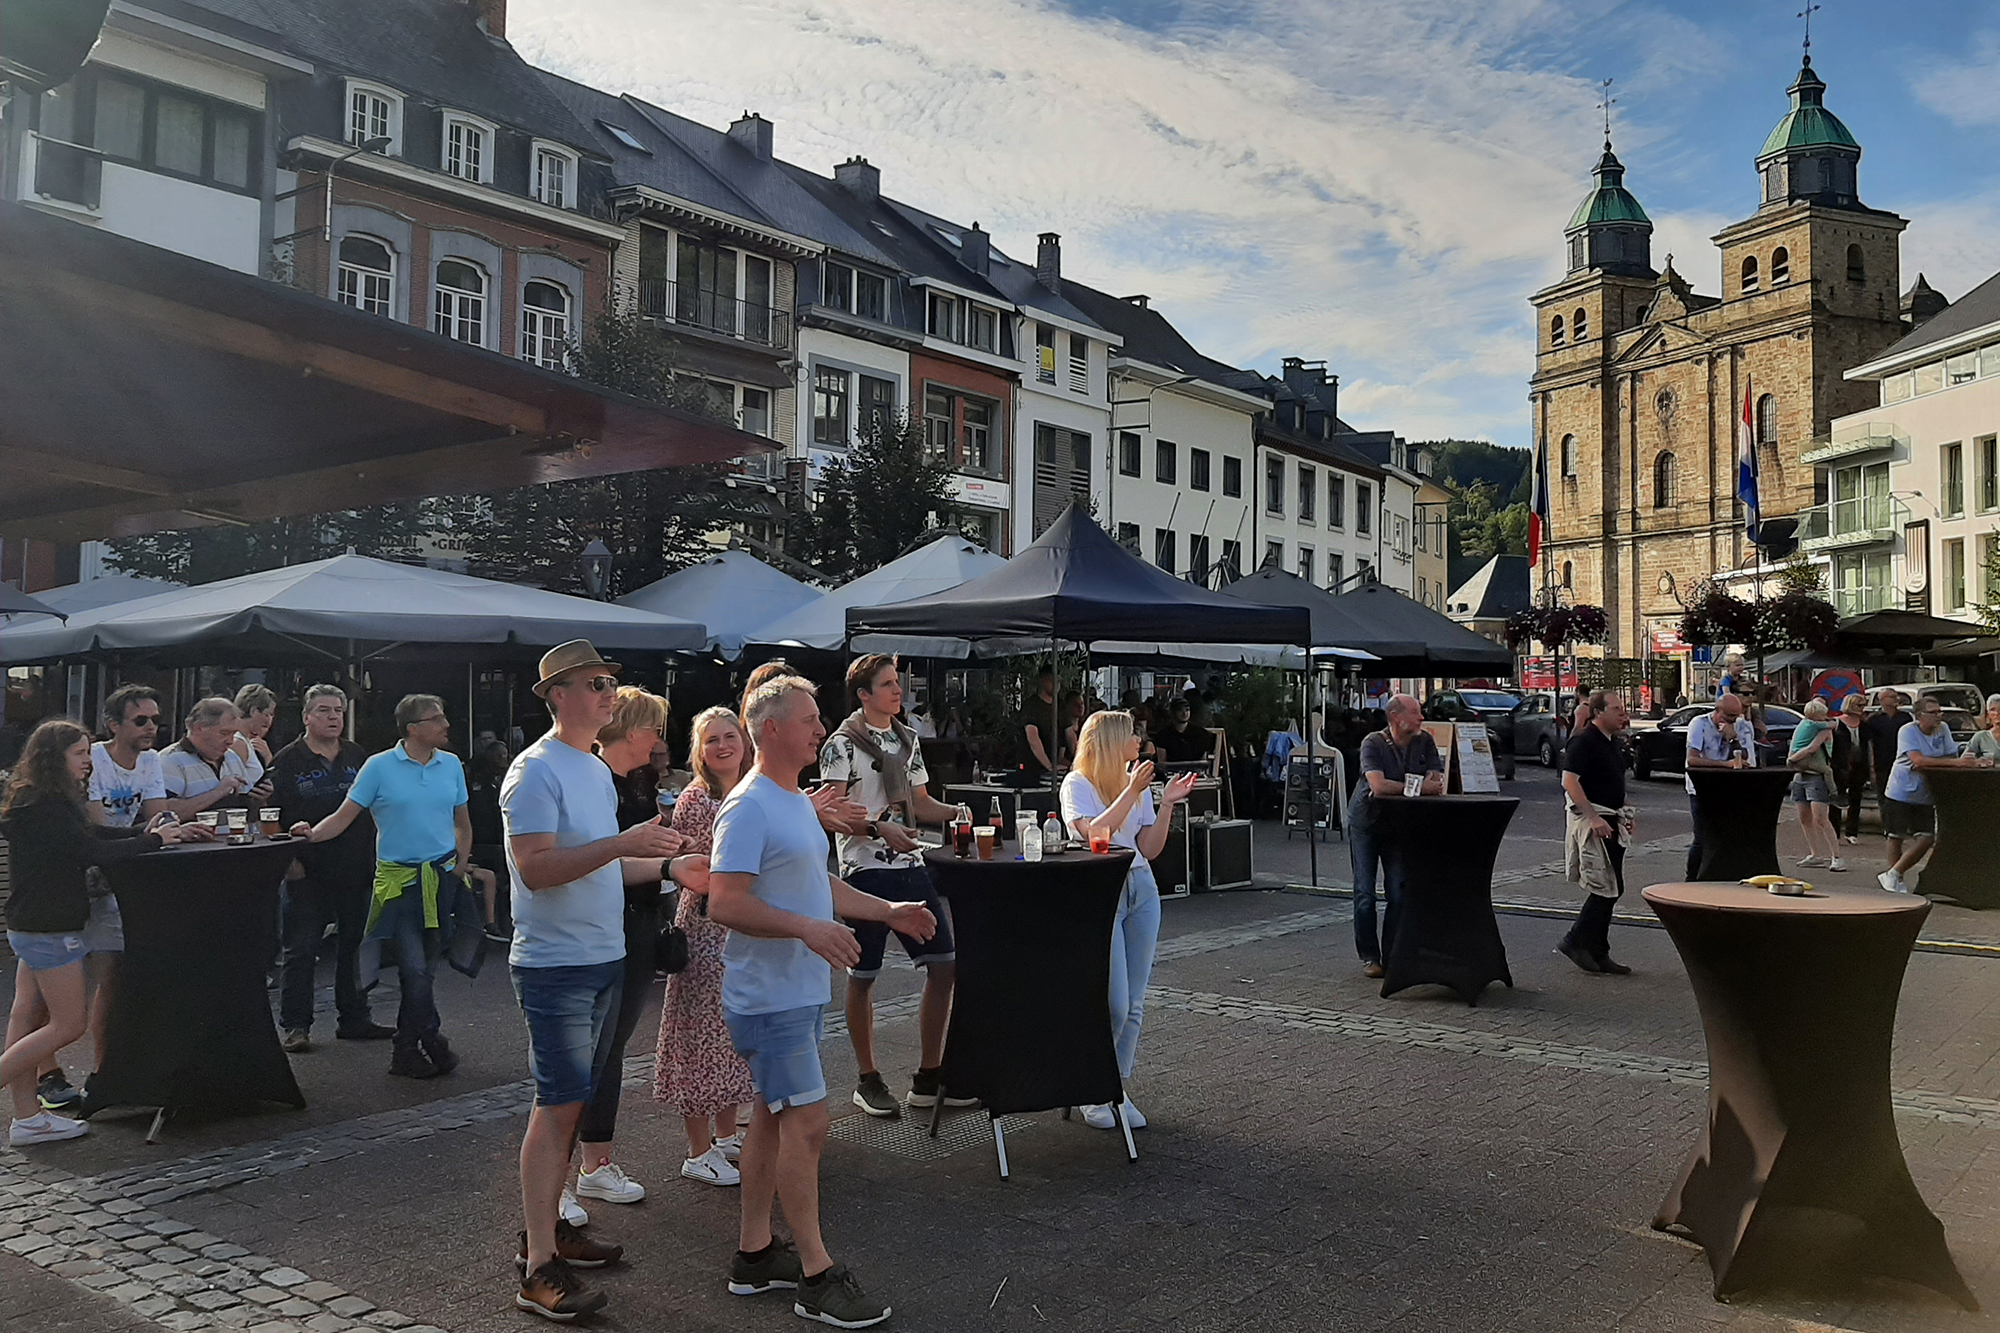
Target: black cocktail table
(190, 1022)
(1798, 1175)
(1031, 1011)
(1739, 810)
(1440, 929)
(1961, 867)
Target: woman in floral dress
(696, 1070)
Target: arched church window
(1556, 331)
(1579, 325)
(1857, 270)
(1749, 274)
(1767, 420)
(1781, 266)
(1663, 481)
(1569, 455)
(1569, 574)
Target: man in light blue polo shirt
(415, 791)
(1908, 816)
(1720, 739)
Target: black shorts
(909, 884)
(1907, 819)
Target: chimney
(750, 129)
(1048, 261)
(859, 178)
(492, 17)
(975, 249)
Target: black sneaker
(872, 1096)
(369, 1031)
(54, 1092)
(1578, 955)
(554, 1291)
(834, 1297)
(776, 1270)
(1611, 969)
(412, 1063)
(443, 1058)
(924, 1091)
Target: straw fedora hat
(568, 657)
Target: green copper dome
(1808, 124)
(1610, 201)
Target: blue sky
(1379, 183)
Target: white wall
(1324, 538)
(852, 354)
(123, 51)
(1191, 423)
(182, 216)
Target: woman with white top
(1108, 794)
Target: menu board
(1475, 758)
(1441, 734)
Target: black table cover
(1739, 820)
(190, 1022)
(1798, 1176)
(1961, 867)
(1441, 930)
(1031, 1012)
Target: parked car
(1950, 694)
(1541, 729)
(1663, 749)
(1495, 708)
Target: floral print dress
(695, 1069)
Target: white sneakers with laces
(572, 1211)
(609, 1183)
(45, 1127)
(712, 1168)
(1892, 881)
(731, 1147)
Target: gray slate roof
(1976, 309)
(1496, 591)
(1148, 336)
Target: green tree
(203, 555)
(1467, 462)
(1480, 527)
(1988, 610)
(869, 507)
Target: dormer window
(555, 175)
(375, 112)
(468, 149)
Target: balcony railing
(678, 303)
(1862, 437)
(1865, 520)
(69, 172)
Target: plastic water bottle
(1031, 841)
(1053, 839)
(667, 800)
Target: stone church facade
(1640, 382)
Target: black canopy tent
(1408, 637)
(1074, 584)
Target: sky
(1376, 183)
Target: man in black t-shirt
(1879, 735)
(309, 781)
(1180, 741)
(1599, 830)
(1036, 736)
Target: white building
(1911, 516)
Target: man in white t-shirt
(882, 766)
(1723, 738)
(768, 883)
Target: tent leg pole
(1312, 768)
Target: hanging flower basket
(1588, 624)
(1794, 620)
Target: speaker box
(1221, 854)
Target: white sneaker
(1852, 840)
(572, 1211)
(1132, 1116)
(609, 1183)
(731, 1147)
(1892, 882)
(1836, 864)
(1098, 1116)
(45, 1127)
(712, 1168)
(1808, 861)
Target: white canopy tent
(731, 592)
(933, 568)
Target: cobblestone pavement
(1319, 1158)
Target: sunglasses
(596, 684)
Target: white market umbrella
(932, 568)
(731, 592)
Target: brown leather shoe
(554, 1291)
(575, 1249)
(1372, 970)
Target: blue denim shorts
(1811, 789)
(783, 1052)
(569, 1011)
(46, 953)
(105, 931)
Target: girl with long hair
(52, 840)
(696, 1069)
(1108, 794)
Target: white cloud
(1379, 183)
(1954, 243)
(1966, 92)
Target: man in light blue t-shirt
(769, 884)
(1723, 738)
(1907, 814)
(569, 865)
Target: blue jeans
(416, 952)
(1135, 934)
(1365, 855)
(569, 1013)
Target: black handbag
(670, 949)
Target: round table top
(1453, 798)
(222, 844)
(1730, 774)
(1722, 897)
(1013, 860)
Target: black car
(1663, 749)
(1495, 708)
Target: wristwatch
(873, 832)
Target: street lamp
(325, 228)
(596, 564)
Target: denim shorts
(1811, 789)
(46, 953)
(105, 931)
(904, 884)
(1907, 819)
(569, 1012)
(782, 1049)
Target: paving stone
(152, 1306)
(239, 1316)
(129, 1292)
(349, 1307)
(212, 1299)
(224, 1250)
(76, 1268)
(121, 1206)
(105, 1280)
(256, 1263)
(183, 1284)
(314, 1291)
(296, 1309)
(388, 1319)
(328, 1323)
(263, 1295)
(284, 1277)
(172, 1254)
(120, 1231)
(185, 1321)
(28, 1242)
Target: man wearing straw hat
(570, 864)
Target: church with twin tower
(1640, 381)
